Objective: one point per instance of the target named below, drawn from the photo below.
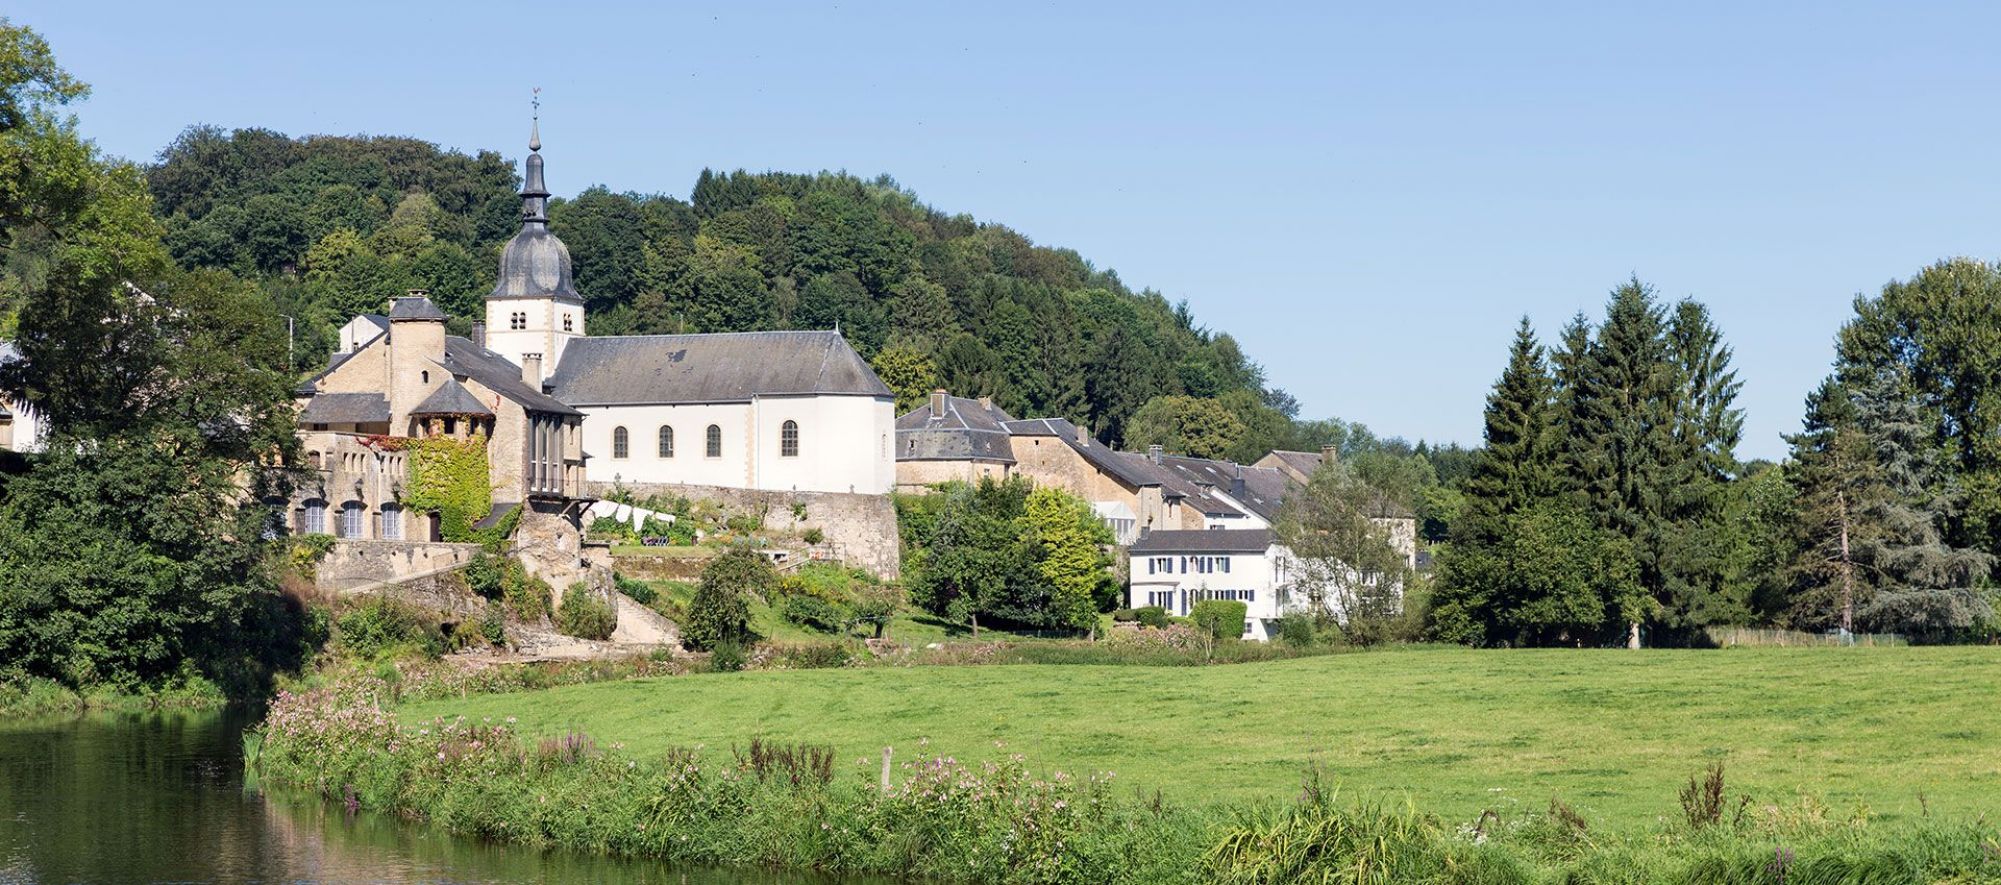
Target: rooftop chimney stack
(938, 403)
(479, 335)
(1155, 453)
(986, 404)
(1329, 454)
(1083, 437)
(531, 370)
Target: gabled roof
(715, 368)
(346, 408)
(500, 375)
(1304, 462)
(374, 319)
(452, 398)
(1203, 541)
(965, 429)
(1264, 488)
(1113, 463)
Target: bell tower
(534, 309)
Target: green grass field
(1613, 733)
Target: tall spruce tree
(1697, 583)
(1517, 468)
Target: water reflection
(160, 797)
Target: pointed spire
(534, 194)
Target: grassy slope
(1613, 733)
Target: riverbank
(26, 697)
(799, 806)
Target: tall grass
(791, 806)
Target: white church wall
(690, 463)
(844, 444)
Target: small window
(788, 440)
(715, 441)
(620, 443)
(666, 441)
(569, 323)
(424, 376)
(517, 321)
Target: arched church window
(715, 441)
(620, 444)
(666, 441)
(788, 440)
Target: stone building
(414, 381)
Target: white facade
(20, 428)
(1177, 580)
(840, 444)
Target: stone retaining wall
(351, 564)
(862, 528)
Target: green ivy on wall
(450, 477)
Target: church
(564, 413)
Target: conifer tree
(1517, 467)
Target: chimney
(531, 370)
(1237, 484)
(416, 293)
(479, 335)
(1154, 453)
(1083, 437)
(938, 403)
(1329, 454)
(986, 404)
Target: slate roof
(1304, 462)
(452, 398)
(966, 430)
(714, 368)
(1203, 541)
(375, 319)
(415, 308)
(500, 375)
(1119, 465)
(346, 408)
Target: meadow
(1895, 732)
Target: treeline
(1608, 505)
(332, 226)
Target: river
(161, 797)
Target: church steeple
(534, 309)
(535, 195)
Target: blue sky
(1367, 196)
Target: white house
(1176, 569)
(782, 411)
(20, 426)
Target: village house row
(565, 417)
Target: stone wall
(550, 545)
(862, 528)
(352, 565)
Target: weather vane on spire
(535, 119)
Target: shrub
(1222, 618)
(815, 613)
(308, 550)
(486, 575)
(1296, 630)
(720, 611)
(1151, 616)
(381, 624)
(805, 655)
(727, 657)
(585, 615)
(1124, 616)
(527, 596)
(639, 591)
(493, 625)
(814, 536)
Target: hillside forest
(150, 305)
